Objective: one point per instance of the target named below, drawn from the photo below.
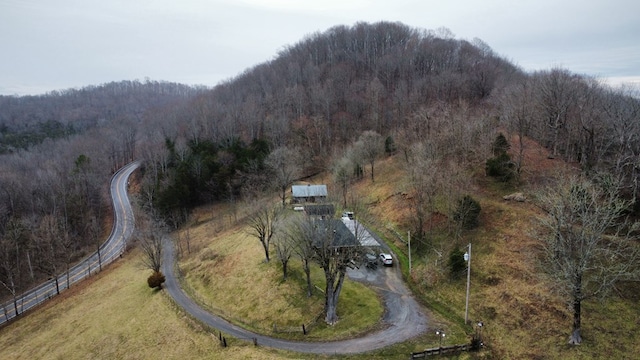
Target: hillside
(522, 319)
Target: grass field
(115, 315)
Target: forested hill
(28, 120)
(349, 79)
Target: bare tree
(587, 241)
(370, 145)
(150, 234)
(285, 244)
(285, 164)
(297, 230)
(10, 267)
(262, 224)
(335, 249)
(342, 175)
(518, 109)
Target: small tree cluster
(500, 165)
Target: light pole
(479, 330)
(467, 258)
(441, 334)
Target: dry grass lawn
(116, 316)
(226, 273)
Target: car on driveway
(386, 259)
(371, 261)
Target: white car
(386, 259)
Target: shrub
(500, 167)
(156, 280)
(500, 145)
(467, 212)
(457, 264)
(389, 145)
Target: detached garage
(308, 193)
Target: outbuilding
(308, 193)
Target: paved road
(110, 250)
(403, 318)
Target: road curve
(110, 250)
(403, 318)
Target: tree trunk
(331, 299)
(265, 246)
(576, 338)
(307, 271)
(284, 270)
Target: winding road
(110, 250)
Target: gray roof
(300, 191)
(321, 209)
(342, 237)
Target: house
(335, 231)
(308, 193)
(320, 211)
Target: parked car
(371, 261)
(386, 259)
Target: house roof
(320, 209)
(342, 237)
(300, 191)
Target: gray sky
(58, 44)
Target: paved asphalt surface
(402, 319)
(110, 250)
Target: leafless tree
(285, 244)
(262, 224)
(150, 234)
(370, 146)
(10, 267)
(284, 162)
(335, 249)
(518, 111)
(343, 170)
(587, 239)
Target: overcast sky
(58, 44)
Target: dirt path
(403, 317)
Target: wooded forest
(438, 101)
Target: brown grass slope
(523, 318)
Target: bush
(500, 167)
(457, 264)
(500, 145)
(156, 280)
(389, 145)
(467, 212)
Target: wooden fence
(444, 350)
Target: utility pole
(467, 257)
(409, 236)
